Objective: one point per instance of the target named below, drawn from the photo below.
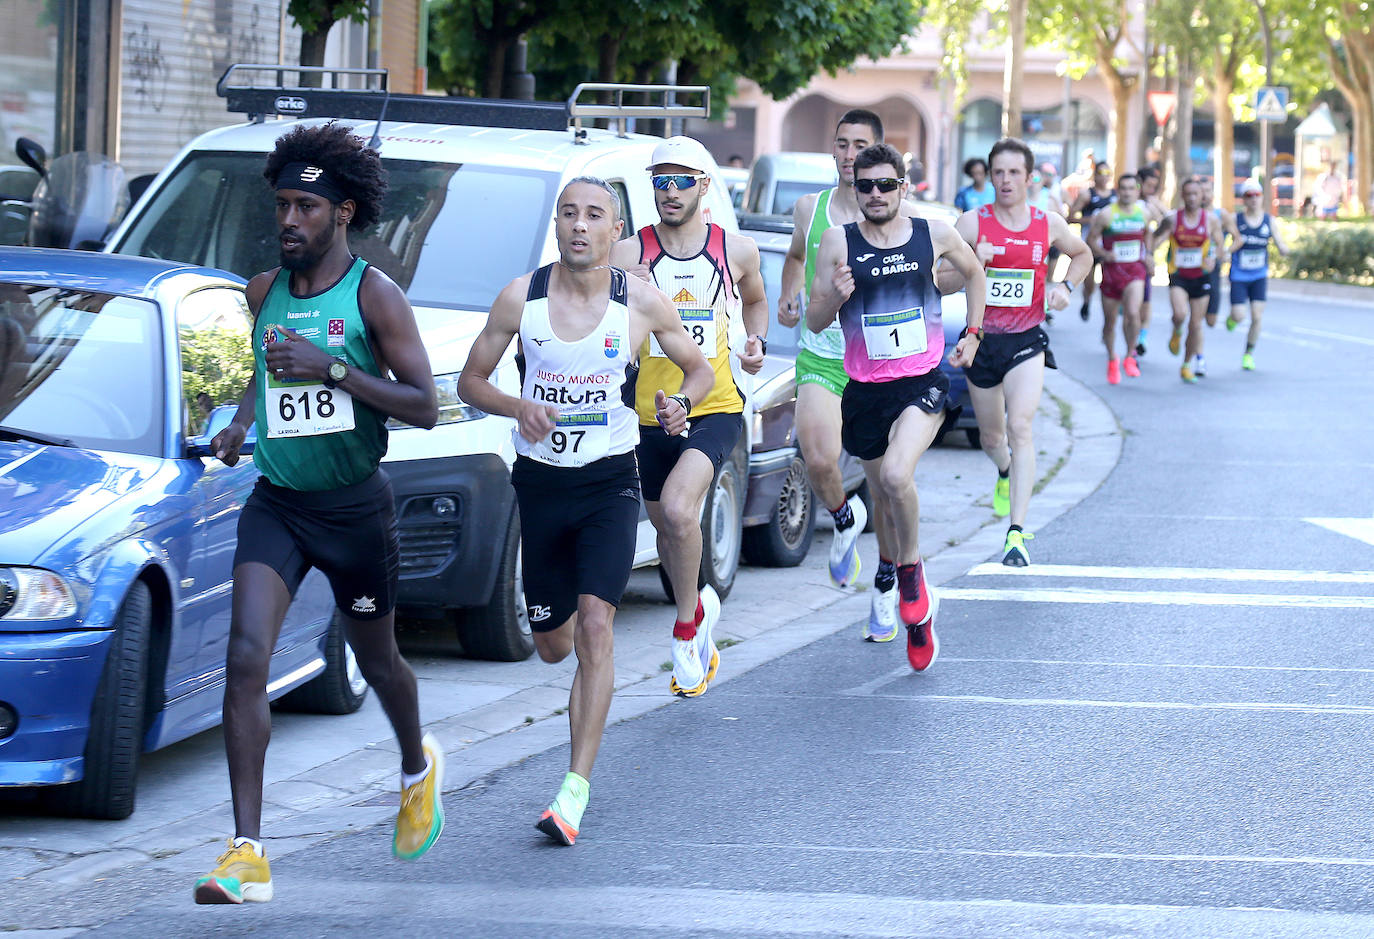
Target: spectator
(1329, 192)
(1049, 176)
(735, 160)
(979, 192)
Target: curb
(1320, 290)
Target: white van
(778, 180)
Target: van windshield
(452, 235)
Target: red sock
(688, 630)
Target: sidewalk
(327, 774)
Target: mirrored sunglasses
(680, 180)
(886, 184)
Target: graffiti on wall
(147, 69)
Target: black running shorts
(713, 434)
(577, 526)
(999, 353)
(349, 534)
(1195, 287)
(869, 409)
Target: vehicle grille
(425, 548)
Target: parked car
(778, 180)
(470, 207)
(774, 236)
(117, 529)
(735, 179)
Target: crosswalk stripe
(1087, 571)
(1156, 598)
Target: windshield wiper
(32, 436)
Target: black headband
(309, 178)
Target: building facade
(135, 79)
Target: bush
(1339, 252)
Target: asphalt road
(1156, 730)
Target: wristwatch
(337, 372)
(683, 401)
(763, 344)
(975, 331)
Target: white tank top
(583, 379)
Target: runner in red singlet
(1013, 241)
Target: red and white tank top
(1188, 245)
(1016, 273)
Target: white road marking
(1094, 663)
(1179, 573)
(1158, 598)
(1285, 707)
(1340, 337)
(1295, 341)
(1361, 529)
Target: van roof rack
(620, 112)
(336, 96)
(362, 94)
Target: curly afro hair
(358, 170)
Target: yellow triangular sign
(684, 297)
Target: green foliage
(1339, 251)
(217, 361)
(780, 44)
(311, 15)
(955, 20)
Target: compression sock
(687, 629)
(886, 576)
(843, 516)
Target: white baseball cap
(682, 151)
(1251, 185)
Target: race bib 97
(576, 440)
(894, 335)
(1009, 287)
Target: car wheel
(785, 539)
(339, 689)
(500, 631)
(974, 440)
(118, 719)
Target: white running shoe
(689, 678)
(1199, 366)
(706, 646)
(882, 616)
(844, 546)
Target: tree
(1093, 32)
(1011, 78)
(316, 18)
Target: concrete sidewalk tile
(93, 866)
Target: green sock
(571, 800)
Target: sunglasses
(887, 184)
(680, 180)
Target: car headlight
(452, 409)
(31, 593)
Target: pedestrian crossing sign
(1271, 103)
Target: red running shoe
(913, 594)
(1113, 372)
(922, 645)
(1130, 366)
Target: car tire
(500, 630)
(722, 533)
(118, 719)
(975, 441)
(339, 689)
(785, 539)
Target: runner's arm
(697, 375)
(398, 349)
(794, 265)
(744, 259)
(1094, 239)
(1278, 239)
(1076, 250)
(475, 385)
(947, 276)
(949, 244)
(833, 284)
(625, 255)
(229, 441)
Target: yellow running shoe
(1014, 553)
(240, 874)
(1175, 342)
(421, 817)
(1186, 373)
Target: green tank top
(311, 437)
(829, 342)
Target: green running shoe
(1001, 497)
(1247, 362)
(1014, 552)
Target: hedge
(1335, 251)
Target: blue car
(117, 530)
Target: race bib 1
(894, 335)
(1252, 259)
(576, 439)
(700, 325)
(301, 410)
(1188, 258)
(1125, 252)
(1009, 287)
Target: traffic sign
(1162, 105)
(1271, 103)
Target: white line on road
(1284, 707)
(970, 660)
(1340, 337)
(1175, 573)
(1295, 341)
(1158, 598)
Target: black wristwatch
(337, 372)
(684, 401)
(763, 344)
